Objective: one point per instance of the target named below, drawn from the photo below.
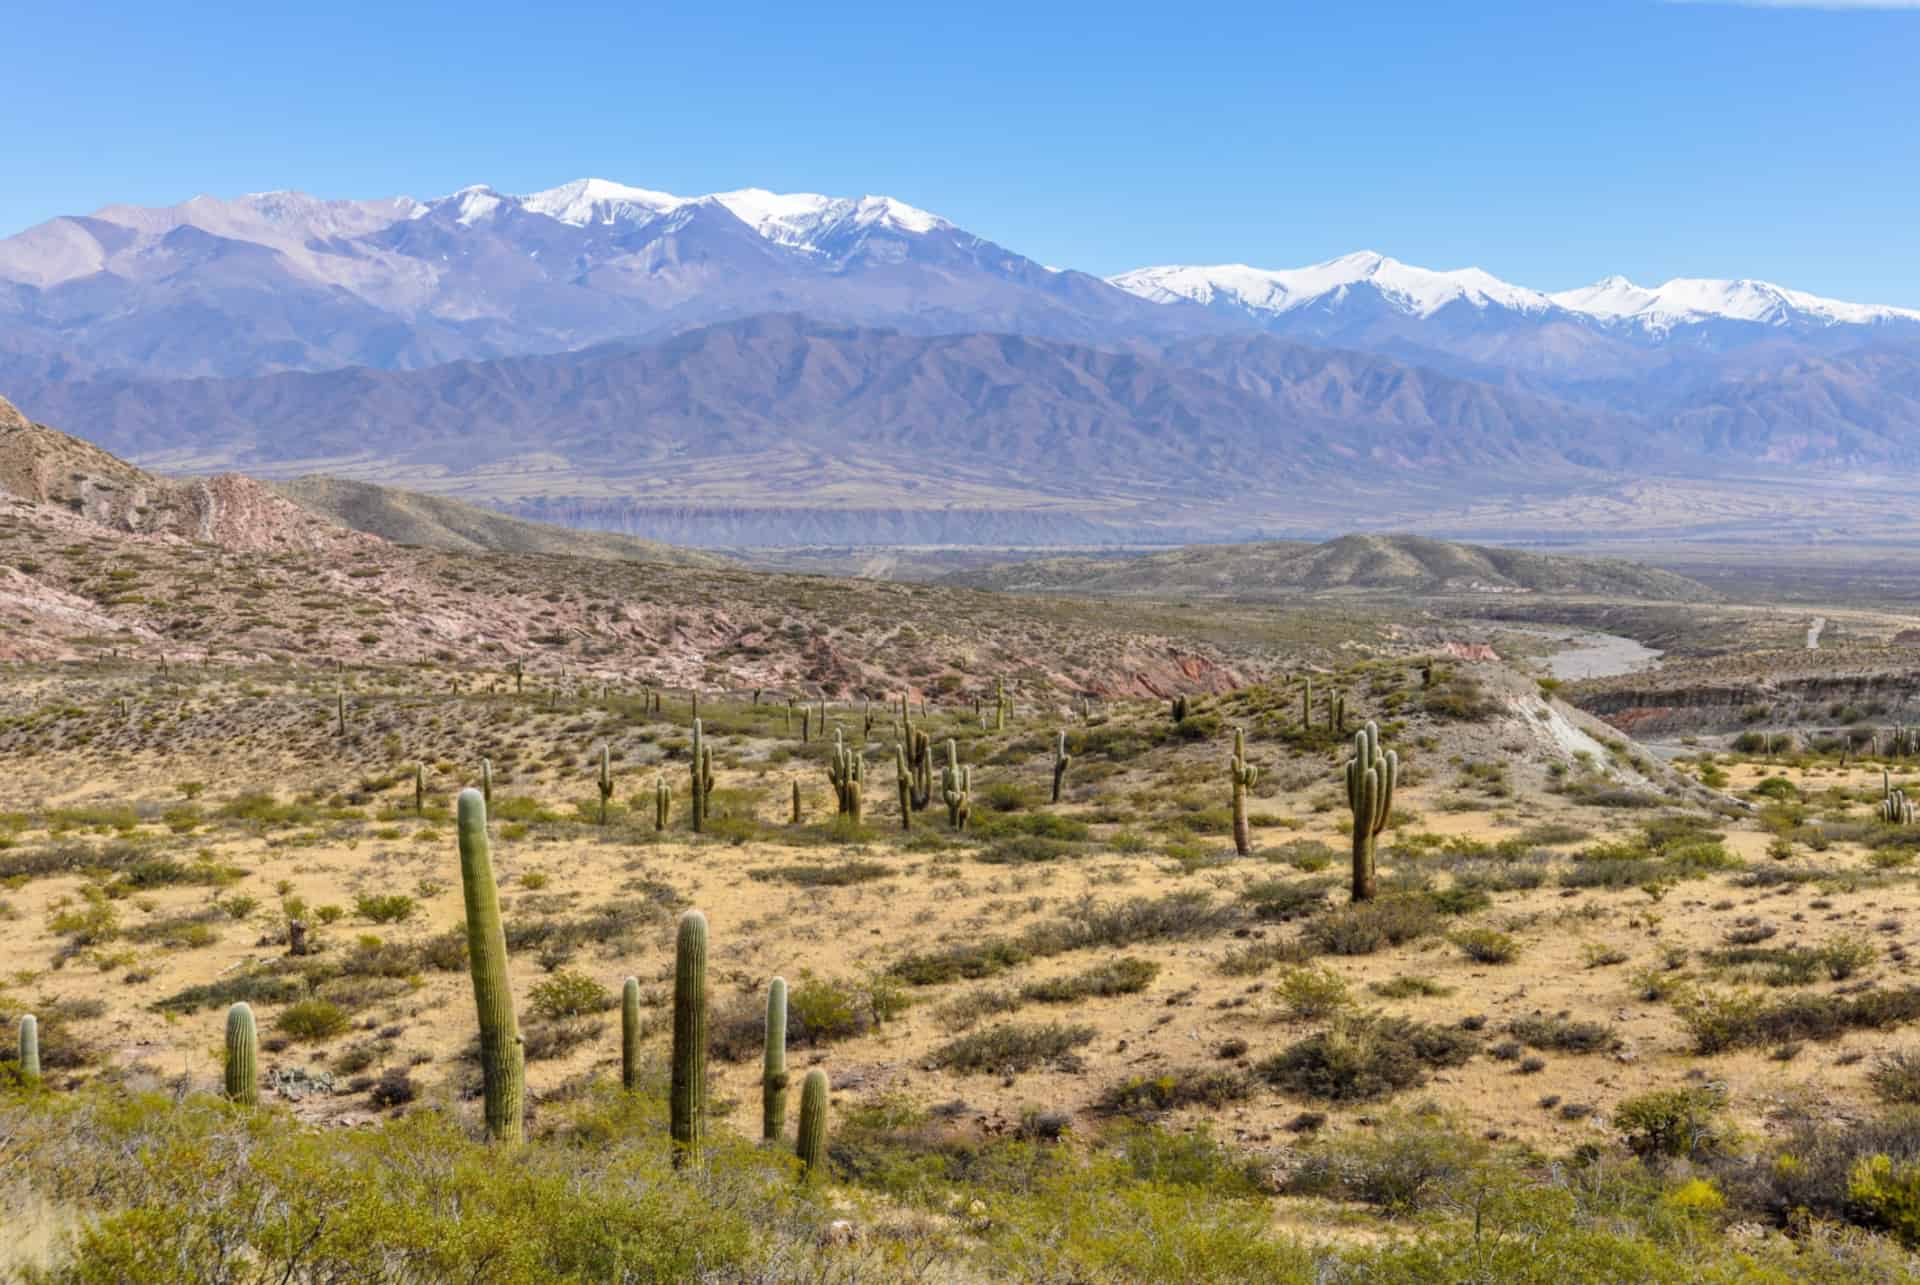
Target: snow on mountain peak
(597, 200)
(1689, 300)
(1419, 292)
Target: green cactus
(1426, 674)
(1340, 712)
(419, 788)
(920, 760)
(811, 1145)
(847, 770)
(30, 1046)
(796, 802)
(519, 678)
(502, 1052)
(1001, 702)
(630, 1035)
(1242, 774)
(606, 780)
(773, 1072)
(689, 1074)
(701, 771)
(956, 788)
(486, 781)
(1895, 807)
(903, 779)
(340, 713)
(662, 802)
(1061, 762)
(1306, 703)
(243, 1056)
(1371, 777)
(806, 724)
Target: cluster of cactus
(242, 1078)
(1061, 762)
(701, 771)
(1243, 774)
(502, 1053)
(30, 1046)
(606, 780)
(1903, 742)
(1371, 777)
(1002, 705)
(848, 772)
(1895, 807)
(919, 748)
(662, 802)
(687, 1107)
(956, 788)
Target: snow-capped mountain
(1416, 292)
(285, 281)
(1686, 301)
(1367, 298)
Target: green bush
(311, 1019)
(569, 994)
(1364, 1057)
(1681, 1123)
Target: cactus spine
(773, 1072)
(956, 788)
(847, 771)
(1061, 762)
(630, 1035)
(502, 1053)
(662, 802)
(812, 1142)
(243, 1055)
(1243, 774)
(30, 1046)
(689, 1076)
(606, 780)
(702, 773)
(1371, 777)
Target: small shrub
(568, 993)
(1312, 992)
(312, 1019)
(385, 908)
(1361, 1058)
(1487, 945)
(1012, 1047)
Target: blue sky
(1550, 143)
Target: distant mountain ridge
(1350, 564)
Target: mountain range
(755, 367)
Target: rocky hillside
(1354, 564)
(435, 522)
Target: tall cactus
(847, 770)
(773, 1070)
(340, 712)
(1061, 762)
(1178, 709)
(702, 774)
(689, 1074)
(630, 1034)
(419, 788)
(956, 788)
(920, 760)
(243, 1057)
(662, 802)
(503, 1069)
(1306, 703)
(796, 802)
(486, 781)
(606, 780)
(30, 1046)
(1242, 774)
(1895, 807)
(903, 781)
(811, 1145)
(1371, 777)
